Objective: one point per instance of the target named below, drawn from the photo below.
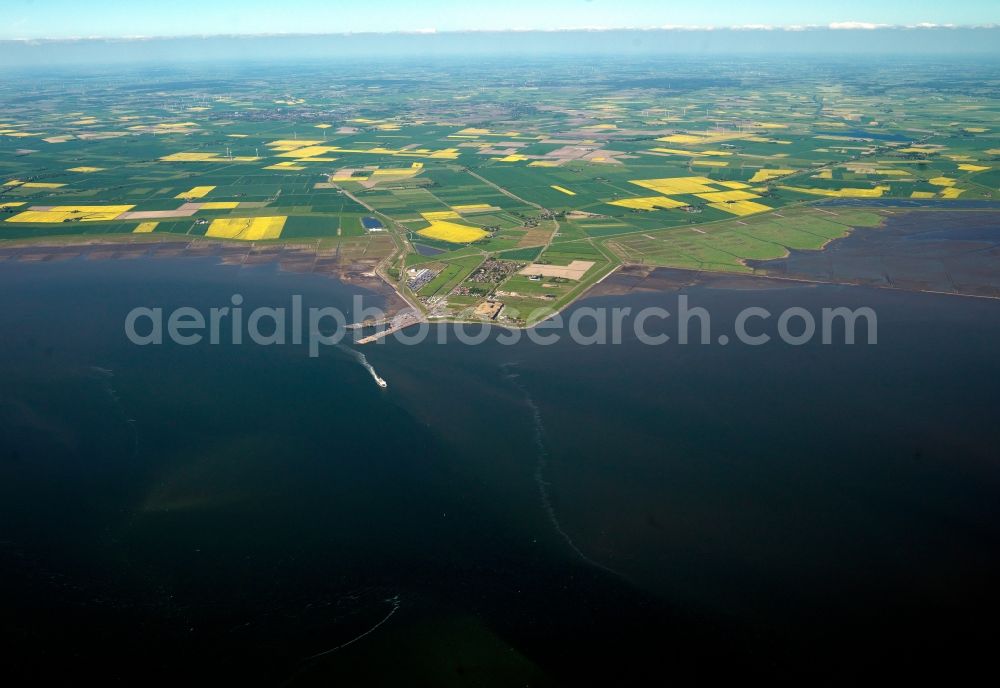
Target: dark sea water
(944, 251)
(499, 515)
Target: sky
(36, 19)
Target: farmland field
(707, 178)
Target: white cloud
(684, 27)
(848, 25)
(929, 25)
(856, 25)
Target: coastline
(302, 258)
(370, 274)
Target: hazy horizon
(622, 42)
(104, 18)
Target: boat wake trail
(540, 466)
(104, 376)
(363, 362)
(394, 601)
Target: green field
(725, 246)
(705, 179)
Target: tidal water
(499, 515)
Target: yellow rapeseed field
(682, 138)
(942, 181)
(66, 213)
(688, 153)
(431, 216)
(875, 192)
(247, 228)
(763, 175)
(669, 186)
(306, 152)
(452, 232)
(33, 185)
(190, 157)
(196, 192)
(741, 207)
(648, 203)
(726, 196)
(474, 208)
